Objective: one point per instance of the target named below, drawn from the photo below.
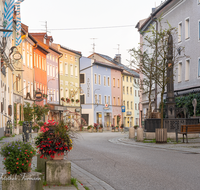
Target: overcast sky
(69, 14)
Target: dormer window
(45, 41)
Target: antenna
(45, 25)
(118, 48)
(93, 44)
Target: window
(50, 70)
(131, 105)
(123, 103)
(179, 71)
(42, 63)
(187, 69)
(86, 118)
(126, 79)
(198, 1)
(95, 78)
(199, 68)
(27, 59)
(71, 70)
(108, 100)
(36, 60)
(127, 90)
(118, 101)
(105, 100)
(95, 98)
(199, 30)
(114, 103)
(24, 88)
(135, 93)
(31, 61)
(24, 57)
(130, 79)
(29, 87)
(47, 69)
(39, 62)
(99, 99)
(131, 90)
(82, 78)
(108, 81)
(118, 83)
(61, 68)
(187, 28)
(138, 93)
(123, 89)
(104, 81)
(66, 93)
(135, 106)
(127, 104)
(56, 72)
(99, 77)
(179, 32)
(113, 82)
(53, 71)
(76, 71)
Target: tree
(39, 111)
(153, 64)
(28, 112)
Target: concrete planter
(41, 163)
(116, 129)
(58, 172)
(131, 133)
(100, 130)
(140, 134)
(90, 130)
(161, 135)
(94, 130)
(31, 180)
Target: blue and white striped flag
(18, 22)
(8, 17)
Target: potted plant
(77, 100)
(72, 100)
(113, 128)
(122, 127)
(35, 127)
(118, 118)
(54, 140)
(136, 126)
(117, 128)
(100, 128)
(67, 100)
(95, 127)
(81, 127)
(17, 156)
(62, 99)
(89, 128)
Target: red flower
(17, 163)
(31, 152)
(17, 158)
(22, 164)
(17, 167)
(4, 158)
(26, 160)
(25, 152)
(8, 172)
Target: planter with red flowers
(72, 100)
(63, 99)
(67, 100)
(77, 100)
(17, 162)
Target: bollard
(131, 133)
(140, 134)
(27, 127)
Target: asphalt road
(126, 167)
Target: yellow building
(69, 64)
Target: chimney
(117, 58)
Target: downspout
(79, 91)
(34, 47)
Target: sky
(78, 14)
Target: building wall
(116, 94)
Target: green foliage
(136, 126)
(40, 123)
(28, 112)
(17, 156)
(39, 111)
(86, 188)
(90, 127)
(74, 182)
(20, 123)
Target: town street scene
(99, 95)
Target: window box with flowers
(67, 100)
(63, 99)
(113, 128)
(54, 141)
(77, 100)
(72, 100)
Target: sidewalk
(82, 176)
(193, 145)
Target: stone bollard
(41, 163)
(140, 134)
(131, 133)
(58, 172)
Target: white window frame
(71, 70)
(99, 79)
(95, 78)
(66, 68)
(105, 99)
(180, 31)
(187, 69)
(180, 64)
(76, 71)
(187, 28)
(61, 68)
